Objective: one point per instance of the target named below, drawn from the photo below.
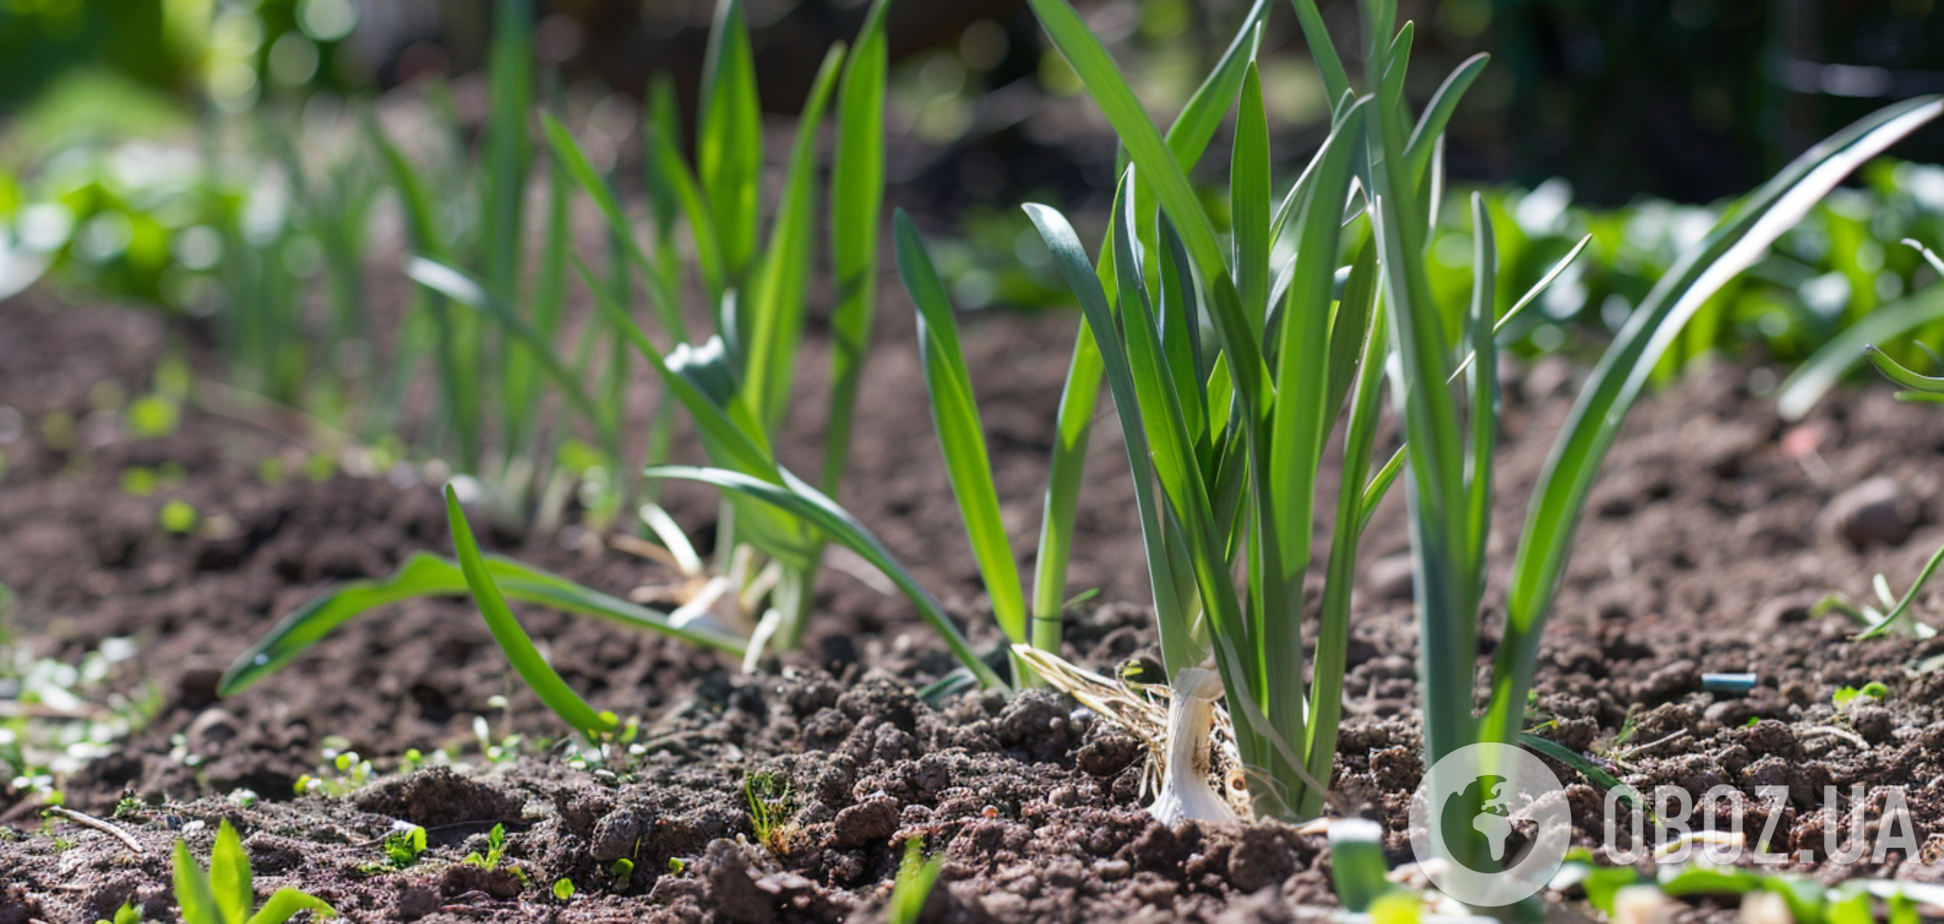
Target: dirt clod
(437, 796)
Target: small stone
(211, 729)
(1875, 512)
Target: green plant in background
(404, 846)
(1920, 314)
(735, 383)
(1840, 269)
(223, 895)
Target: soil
(1714, 530)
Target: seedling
(770, 808)
(128, 913)
(622, 871)
(178, 517)
(917, 874)
(223, 895)
(347, 774)
(1851, 697)
(495, 850)
(153, 416)
(1853, 902)
(403, 846)
(563, 889)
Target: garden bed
(1713, 531)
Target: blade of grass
(229, 875)
(1178, 648)
(426, 575)
(1431, 125)
(283, 904)
(1333, 615)
(194, 898)
(1445, 608)
(961, 435)
(731, 434)
(1484, 386)
(457, 285)
(729, 148)
(782, 280)
(457, 396)
(1827, 366)
(1898, 373)
(665, 162)
(1187, 138)
(1249, 199)
(856, 204)
(1316, 35)
(513, 640)
(508, 147)
(570, 155)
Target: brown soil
(1704, 545)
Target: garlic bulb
(1185, 792)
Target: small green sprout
(769, 810)
(128, 913)
(1753, 721)
(676, 865)
(139, 481)
(916, 876)
(1872, 692)
(346, 773)
(404, 846)
(623, 872)
(563, 888)
(178, 517)
(223, 895)
(495, 850)
(152, 416)
(320, 467)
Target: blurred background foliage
(1691, 100)
(147, 147)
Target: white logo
(1489, 824)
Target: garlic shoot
(1185, 792)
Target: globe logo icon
(1490, 824)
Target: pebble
(1875, 512)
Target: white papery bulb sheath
(1185, 792)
